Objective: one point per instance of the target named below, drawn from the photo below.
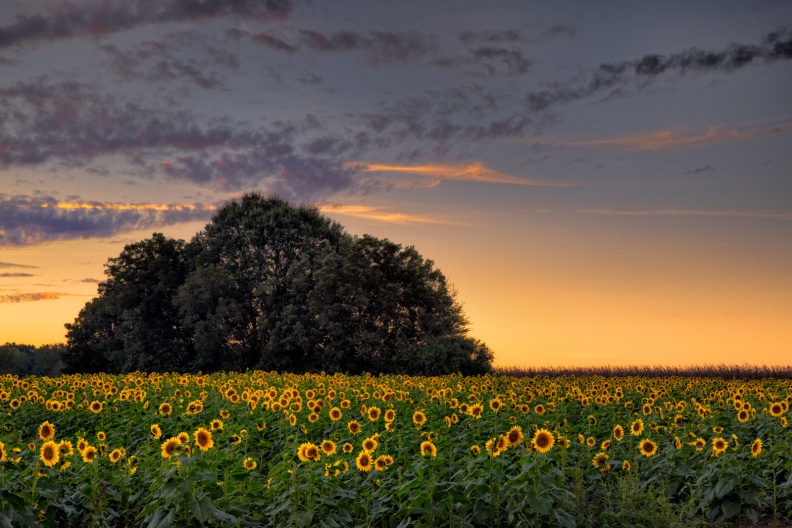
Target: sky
(602, 182)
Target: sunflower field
(268, 449)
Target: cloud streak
(784, 217)
(27, 220)
(12, 265)
(612, 79)
(31, 297)
(376, 213)
(98, 18)
(476, 171)
(679, 138)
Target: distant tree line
(272, 286)
(24, 360)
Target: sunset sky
(603, 182)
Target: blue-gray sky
(596, 178)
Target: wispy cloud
(30, 297)
(476, 171)
(785, 217)
(12, 265)
(27, 220)
(95, 18)
(612, 79)
(680, 138)
(376, 213)
(17, 274)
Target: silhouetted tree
(133, 324)
(273, 286)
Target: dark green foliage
(25, 360)
(133, 324)
(272, 286)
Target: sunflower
(81, 444)
(743, 415)
(475, 450)
(776, 409)
(590, 441)
(310, 452)
(374, 414)
(515, 435)
(169, 447)
(719, 445)
(183, 437)
(618, 433)
(756, 447)
(364, 462)
(428, 449)
(543, 440)
(677, 443)
(101, 436)
(115, 455)
(249, 464)
(88, 454)
(95, 407)
(476, 410)
(46, 431)
(203, 439)
(419, 418)
(496, 405)
(647, 447)
(328, 447)
(381, 462)
(637, 427)
(348, 448)
(390, 415)
(165, 409)
(502, 443)
(699, 443)
(605, 445)
(626, 466)
(370, 444)
(600, 460)
(354, 427)
(539, 409)
(225, 415)
(49, 454)
(156, 432)
(216, 425)
(65, 447)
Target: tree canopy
(272, 286)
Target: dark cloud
(486, 61)
(489, 37)
(378, 47)
(12, 265)
(699, 170)
(182, 56)
(555, 31)
(83, 281)
(72, 123)
(612, 79)
(7, 275)
(97, 17)
(26, 220)
(8, 62)
(30, 297)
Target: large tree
(133, 323)
(273, 286)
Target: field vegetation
(268, 449)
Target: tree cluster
(24, 360)
(271, 286)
